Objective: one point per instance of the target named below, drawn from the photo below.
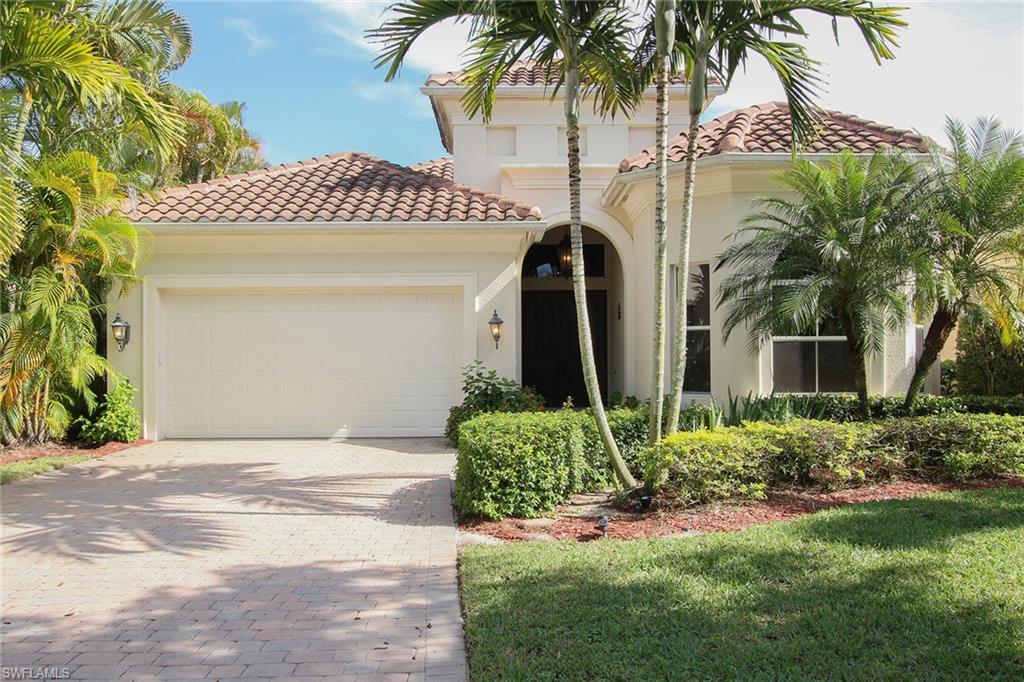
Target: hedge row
(524, 464)
(843, 408)
(745, 461)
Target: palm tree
(841, 252)
(716, 37)
(74, 245)
(664, 22)
(70, 62)
(976, 236)
(585, 46)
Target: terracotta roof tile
(525, 72)
(765, 128)
(336, 188)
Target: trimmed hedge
(746, 460)
(525, 464)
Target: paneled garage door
(326, 362)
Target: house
(340, 296)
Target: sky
(305, 71)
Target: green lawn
(930, 588)
(30, 467)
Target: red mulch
(722, 516)
(18, 454)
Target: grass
(30, 467)
(930, 588)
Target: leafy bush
(700, 466)
(518, 464)
(524, 464)
(118, 419)
(958, 445)
(984, 366)
(748, 459)
(988, 404)
(629, 427)
(486, 391)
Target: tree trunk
(942, 324)
(579, 285)
(660, 255)
(23, 116)
(683, 277)
(860, 367)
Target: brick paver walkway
(236, 559)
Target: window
(698, 328)
(501, 141)
(816, 361)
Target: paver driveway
(236, 559)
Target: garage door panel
(359, 362)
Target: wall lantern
(495, 324)
(122, 332)
(565, 255)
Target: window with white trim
(698, 327)
(815, 361)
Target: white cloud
(407, 97)
(952, 60)
(964, 59)
(438, 49)
(253, 37)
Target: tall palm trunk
(939, 329)
(665, 31)
(579, 285)
(697, 90)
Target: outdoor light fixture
(565, 255)
(495, 324)
(122, 332)
(602, 525)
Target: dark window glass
(793, 366)
(698, 362)
(835, 367)
(698, 307)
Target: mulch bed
(20, 454)
(715, 517)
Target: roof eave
(338, 227)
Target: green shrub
(118, 419)
(518, 464)
(960, 446)
(486, 391)
(746, 460)
(984, 366)
(700, 466)
(993, 404)
(629, 427)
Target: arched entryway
(550, 344)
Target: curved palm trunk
(579, 286)
(939, 329)
(660, 255)
(683, 277)
(860, 367)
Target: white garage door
(326, 362)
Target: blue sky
(308, 91)
(305, 72)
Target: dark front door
(551, 349)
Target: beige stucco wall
(489, 257)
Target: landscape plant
(485, 390)
(975, 234)
(838, 250)
(713, 40)
(586, 49)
